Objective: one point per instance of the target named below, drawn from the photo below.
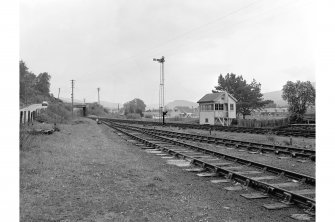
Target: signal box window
(231, 106)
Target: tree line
(33, 88)
(135, 106)
(299, 95)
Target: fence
(262, 123)
(27, 116)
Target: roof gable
(211, 97)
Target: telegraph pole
(98, 96)
(72, 86)
(58, 92)
(161, 87)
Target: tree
(27, 83)
(249, 96)
(33, 89)
(299, 96)
(43, 83)
(271, 105)
(97, 109)
(134, 106)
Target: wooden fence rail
(262, 123)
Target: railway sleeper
(264, 168)
(245, 144)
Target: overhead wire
(154, 49)
(189, 31)
(251, 20)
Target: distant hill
(276, 97)
(183, 103)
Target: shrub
(149, 116)
(234, 122)
(96, 109)
(56, 113)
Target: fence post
(28, 117)
(21, 117)
(25, 117)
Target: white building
(217, 108)
(183, 112)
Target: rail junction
(289, 187)
(238, 144)
(279, 131)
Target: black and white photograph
(168, 110)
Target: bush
(149, 116)
(97, 110)
(56, 113)
(234, 122)
(133, 116)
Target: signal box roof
(211, 97)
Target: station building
(217, 108)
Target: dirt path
(87, 173)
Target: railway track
(289, 187)
(307, 133)
(250, 146)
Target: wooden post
(24, 117)
(28, 117)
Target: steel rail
(307, 179)
(289, 196)
(293, 151)
(277, 131)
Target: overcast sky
(111, 43)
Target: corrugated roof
(211, 97)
